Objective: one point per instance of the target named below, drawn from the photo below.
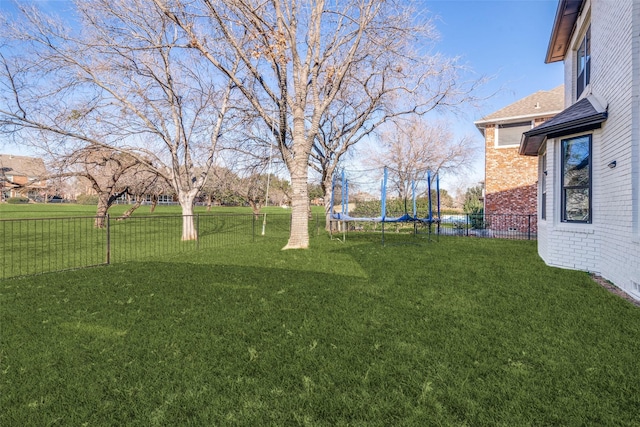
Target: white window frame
(496, 139)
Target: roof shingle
(22, 165)
(540, 104)
(586, 114)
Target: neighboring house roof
(540, 104)
(566, 17)
(586, 114)
(22, 166)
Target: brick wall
(510, 179)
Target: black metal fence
(504, 226)
(32, 246)
(42, 245)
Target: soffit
(566, 17)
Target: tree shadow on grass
(317, 335)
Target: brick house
(589, 154)
(511, 179)
(21, 176)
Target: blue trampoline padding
(403, 218)
(345, 217)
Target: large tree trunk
(299, 236)
(103, 208)
(105, 201)
(299, 170)
(189, 231)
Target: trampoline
(343, 217)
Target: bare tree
(362, 106)
(103, 169)
(220, 188)
(252, 189)
(280, 192)
(297, 55)
(110, 175)
(413, 147)
(123, 81)
(250, 162)
(142, 183)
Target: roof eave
(530, 145)
(501, 120)
(532, 140)
(563, 25)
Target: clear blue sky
(504, 39)
(507, 39)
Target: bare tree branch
(124, 83)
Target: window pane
(577, 204)
(581, 57)
(587, 44)
(576, 179)
(583, 63)
(576, 162)
(543, 188)
(580, 83)
(511, 133)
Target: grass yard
(460, 332)
(53, 210)
(39, 238)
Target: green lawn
(39, 238)
(461, 331)
(52, 210)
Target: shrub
(476, 217)
(395, 207)
(17, 200)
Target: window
(576, 179)
(543, 186)
(511, 133)
(583, 76)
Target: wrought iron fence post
(108, 260)
(197, 231)
(467, 227)
(529, 227)
(253, 227)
